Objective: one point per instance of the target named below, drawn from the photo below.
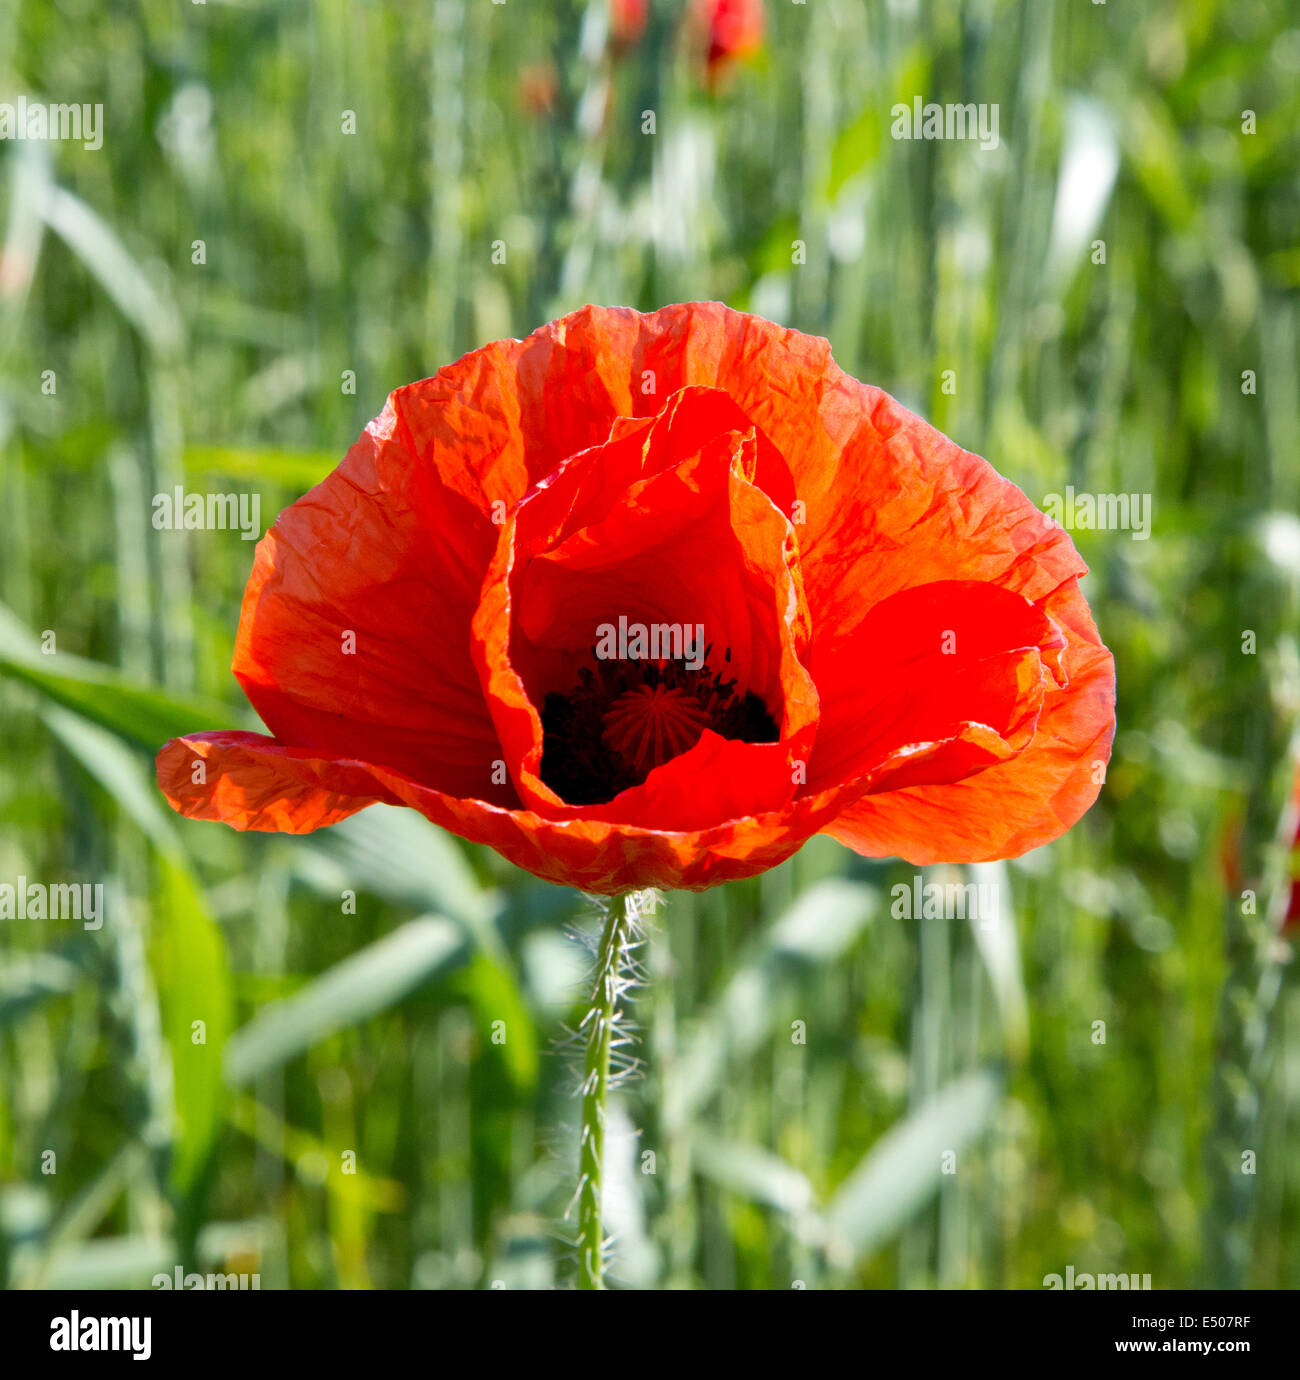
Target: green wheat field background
(381, 1098)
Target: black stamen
(623, 718)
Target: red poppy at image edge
(627, 21)
(732, 29)
(898, 653)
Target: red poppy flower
(732, 29)
(649, 600)
(627, 21)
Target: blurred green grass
(369, 1041)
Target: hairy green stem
(599, 1031)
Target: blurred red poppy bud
(627, 21)
(732, 29)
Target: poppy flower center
(625, 718)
